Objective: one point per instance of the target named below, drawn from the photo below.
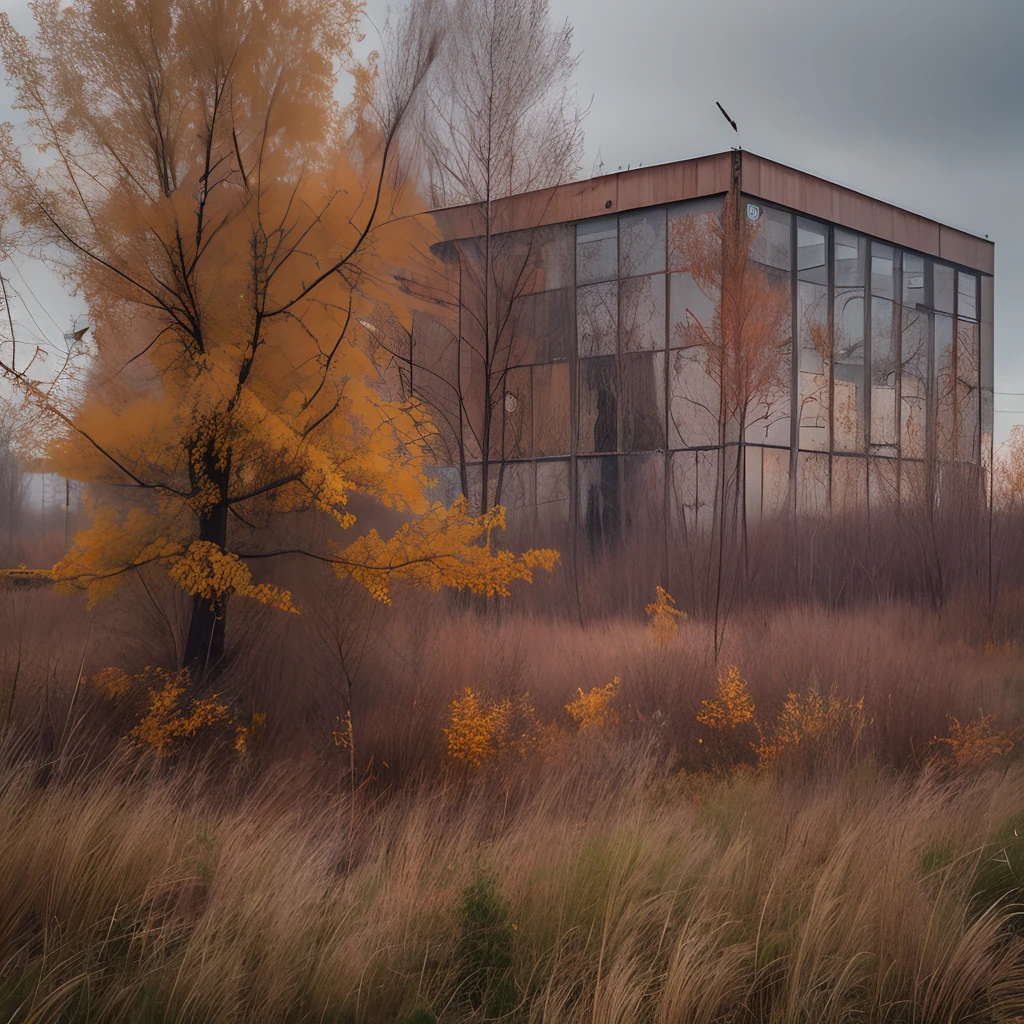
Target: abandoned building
(593, 344)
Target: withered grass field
(645, 868)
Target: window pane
(767, 354)
(643, 480)
(693, 400)
(642, 243)
(945, 388)
(914, 383)
(691, 310)
(967, 299)
(597, 250)
(967, 406)
(551, 426)
(883, 266)
(815, 341)
(913, 281)
(599, 499)
(643, 402)
(642, 313)
(883, 373)
(689, 223)
(515, 413)
(850, 257)
(848, 348)
(810, 251)
(597, 319)
(771, 245)
(682, 493)
(942, 277)
(598, 406)
(541, 327)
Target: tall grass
(616, 891)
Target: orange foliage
(662, 615)
(974, 745)
(234, 234)
(733, 705)
(594, 710)
(164, 720)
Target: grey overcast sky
(917, 102)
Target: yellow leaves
(808, 719)
(482, 731)
(206, 571)
(476, 731)
(805, 720)
(662, 615)
(114, 682)
(165, 720)
(732, 706)
(342, 732)
(974, 745)
(594, 710)
(446, 547)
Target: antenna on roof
(726, 116)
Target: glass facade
(835, 372)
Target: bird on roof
(726, 116)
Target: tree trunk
(204, 645)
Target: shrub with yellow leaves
(732, 706)
(662, 615)
(164, 721)
(594, 710)
(977, 744)
(476, 732)
(808, 721)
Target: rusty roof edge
(616, 178)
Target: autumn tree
(497, 118)
(230, 227)
(744, 350)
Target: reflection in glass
(597, 250)
(540, 327)
(967, 393)
(683, 219)
(599, 500)
(883, 267)
(772, 242)
(967, 295)
(914, 383)
(848, 342)
(850, 258)
(642, 313)
(642, 243)
(884, 367)
(516, 416)
(913, 280)
(815, 335)
(849, 483)
(945, 388)
(693, 400)
(552, 494)
(692, 312)
(942, 282)
(643, 402)
(643, 482)
(597, 319)
(598, 406)
(551, 409)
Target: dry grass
(621, 892)
(638, 870)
